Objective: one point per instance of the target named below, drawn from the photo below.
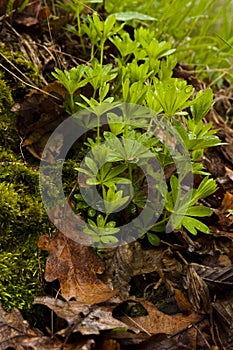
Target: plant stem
(102, 52)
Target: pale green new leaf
(153, 239)
(131, 15)
(199, 211)
(202, 104)
(194, 225)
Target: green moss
(21, 280)
(15, 62)
(8, 136)
(23, 220)
(6, 100)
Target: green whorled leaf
(111, 224)
(181, 130)
(92, 181)
(114, 201)
(115, 123)
(84, 171)
(206, 188)
(122, 181)
(114, 171)
(193, 225)
(109, 239)
(131, 15)
(169, 204)
(199, 211)
(91, 165)
(109, 23)
(173, 95)
(153, 239)
(107, 231)
(124, 44)
(198, 169)
(202, 104)
(91, 223)
(206, 142)
(175, 188)
(100, 220)
(158, 227)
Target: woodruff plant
(111, 172)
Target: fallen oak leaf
(75, 266)
(158, 322)
(83, 318)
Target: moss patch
(22, 216)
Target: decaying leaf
(224, 312)
(35, 125)
(216, 275)
(162, 342)
(131, 260)
(75, 266)
(182, 302)
(158, 322)
(227, 202)
(198, 291)
(14, 329)
(87, 319)
(109, 344)
(16, 334)
(71, 311)
(29, 16)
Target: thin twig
(28, 84)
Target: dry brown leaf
(100, 318)
(198, 291)
(15, 333)
(29, 16)
(161, 342)
(86, 319)
(109, 344)
(224, 312)
(75, 266)
(158, 322)
(218, 276)
(35, 125)
(71, 311)
(182, 302)
(13, 329)
(227, 202)
(130, 260)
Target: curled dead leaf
(75, 266)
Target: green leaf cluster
(141, 73)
